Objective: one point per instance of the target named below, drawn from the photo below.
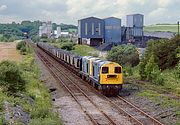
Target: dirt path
(8, 52)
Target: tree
(124, 55)
(11, 77)
(150, 67)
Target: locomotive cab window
(117, 69)
(105, 70)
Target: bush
(165, 52)
(124, 55)
(151, 72)
(127, 71)
(156, 77)
(68, 46)
(11, 77)
(23, 47)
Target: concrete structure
(46, 29)
(112, 30)
(91, 31)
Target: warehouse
(91, 31)
(112, 30)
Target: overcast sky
(69, 11)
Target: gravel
(69, 111)
(166, 115)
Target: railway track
(140, 116)
(77, 93)
(134, 113)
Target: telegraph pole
(178, 28)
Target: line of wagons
(103, 75)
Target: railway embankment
(31, 102)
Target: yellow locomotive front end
(111, 78)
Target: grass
(163, 28)
(36, 100)
(82, 50)
(85, 50)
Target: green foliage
(165, 52)
(127, 71)
(11, 77)
(2, 121)
(150, 67)
(177, 73)
(68, 46)
(124, 55)
(35, 39)
(159, 55)
(23, 47)
(14, 30)
(151, 72)
(35, 100)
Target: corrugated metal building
(135, 23)
(112, 30)
(91, 31)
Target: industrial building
(112, 30)
(46, 29)
(94, 31)
(91, 31)
(135, 23)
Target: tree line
(159, 55)
(12, 31)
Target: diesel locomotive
(105, 76)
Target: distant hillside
(16, 30)
(162, 27)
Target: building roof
(135, 14)
(90, 18)
(112, 17)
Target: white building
(58, 32)
(46, 29)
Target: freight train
(105, 76)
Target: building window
(105, 70)
(92, 28)
(117, 70)
(86, 28)
(99, 28)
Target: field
(161, 27)
(8, 52)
